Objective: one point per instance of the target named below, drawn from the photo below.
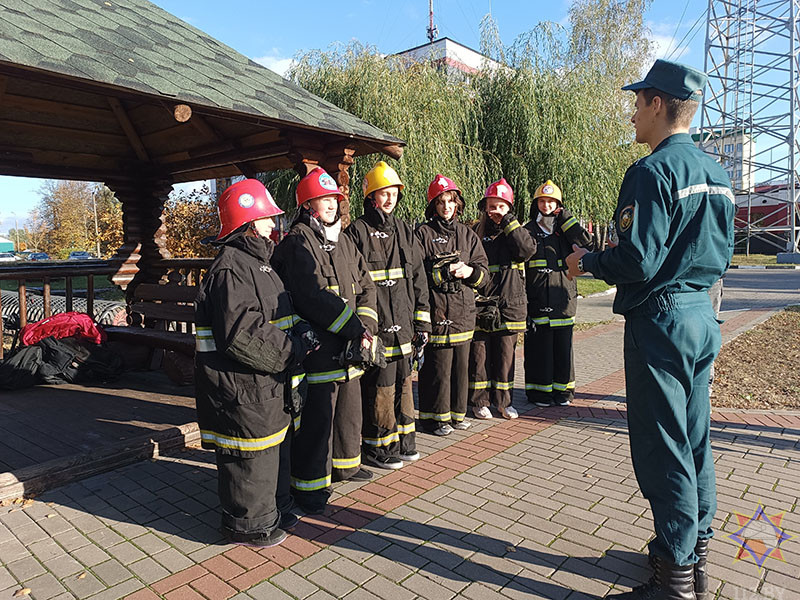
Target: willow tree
(552, 110)
(436, 115)
(557, 111)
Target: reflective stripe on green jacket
(674, 218)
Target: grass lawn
(590, 285)
(754, 259)
(78, 283)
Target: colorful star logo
(760, 536)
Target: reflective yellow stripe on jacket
(204, 340)
(520, 266)
(394, 351)
(386, 274)
(340, 321)
(508, 326)
(452, 338)
(331, 376)
(512, 225)
(243, 444)
(286, 322)
(366, 311)
(423, 316)
(569, 223)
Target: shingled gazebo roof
(88, 89)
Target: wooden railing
(191, 270)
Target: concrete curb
(59, 471)
(789, 267)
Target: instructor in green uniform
(675, 222)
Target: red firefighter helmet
(244, 202)
(441, 184)
(499, 189)
(316, 185)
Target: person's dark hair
(680, 112)
(451, 194)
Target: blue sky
(268, 32)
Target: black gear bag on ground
(70, 360)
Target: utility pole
(433, 31)
(16, 230)
(96, 230)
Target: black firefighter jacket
(552, 298)
(507, 246)
(453, 311)
(331, 289)
(242, 313)
(394, 259)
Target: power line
(696, 24)
(678, 26)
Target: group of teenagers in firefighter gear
(305, 348)
(333, 317)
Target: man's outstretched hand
(572, 261)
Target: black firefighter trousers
(443, 385)
(327, 445)
(388, 407)
(491, 369)
(549, 364)
(247, 488)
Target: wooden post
(337, 161)
(144, 233)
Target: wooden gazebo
(122, 92)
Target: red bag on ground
(63, 325)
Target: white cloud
(665, 44)
(275, 63)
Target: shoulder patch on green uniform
(626, 218)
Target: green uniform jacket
(674, 217)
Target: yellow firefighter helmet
(548, 190)
(379, 177)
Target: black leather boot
(700, 575)
(669, 582)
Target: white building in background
(457, 59)
(735, 151)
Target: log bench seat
(161, 316)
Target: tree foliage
(437, 116)
(555, 112)
(190, 217)
(64, 220)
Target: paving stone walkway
(545, 506)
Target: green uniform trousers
(671, 342)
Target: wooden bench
(161, 316)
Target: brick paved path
(542, 507)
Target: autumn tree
(190, 217)
(65, 207)
(109, 221)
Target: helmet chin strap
(253, 231)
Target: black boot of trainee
(669, 582)
(700, 574)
